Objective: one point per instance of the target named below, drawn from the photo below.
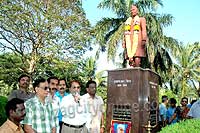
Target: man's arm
(102, 123)
(190, 113)
(162, 114)
(53, 130)
(162, 120)
(28, 129)
(102, 116)
(27, 122)
(173, 117)
(124, 42)
(143, 29)
(53, 119)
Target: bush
(3, 117)
(187, 126)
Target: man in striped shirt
(39, 112)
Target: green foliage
(89, 68)
(43, 29)
(101, 81)
(45, 38)
(81, 70)
(185, 70)
(5, 89)
(102, 91)
(168, 93)
(3, 117)
(10, 68)
(188, 126)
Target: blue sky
(185, 28)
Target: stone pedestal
(132, 99)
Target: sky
(185, 26)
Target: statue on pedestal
(135, 37)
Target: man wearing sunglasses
(73, 111)
(39, 111)
(182, 111)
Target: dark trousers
(60, 124)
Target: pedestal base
(132, 100)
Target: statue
(135, 37)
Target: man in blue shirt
(170, 112)
(62, 87)
(163, 111)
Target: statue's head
(134, 11)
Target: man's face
(134, 11)
(91, 89)
(18, 114)
(62, 86)
(24, 82)
(42, 90)
(120, 130)
(53, 85)
(167, 101)
(75, 87)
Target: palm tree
(109, 31)
(186, 68)
(88, 70)
(101, 80)
(89, 73)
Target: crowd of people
(170, 113)
(50, 109)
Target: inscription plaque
(122, 112)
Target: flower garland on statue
(132, 27)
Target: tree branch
(194, 84)
(14, 47)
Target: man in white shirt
(195, 109)
(73, 111)
(95, 123)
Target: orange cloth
(10, 127)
